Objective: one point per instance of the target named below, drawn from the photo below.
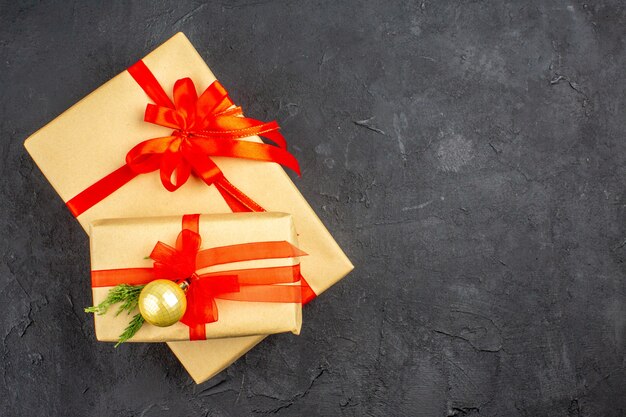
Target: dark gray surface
(467, 155)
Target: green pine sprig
(128, 296)
(132, 328)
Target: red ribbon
(204, 126)
(181, 262)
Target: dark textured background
(469, 156)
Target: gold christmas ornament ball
(162, 303)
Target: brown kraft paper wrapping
(125, 243)
(90, 140)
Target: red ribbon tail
(307, 292)
(197, 332)
(100, 190)
(236, 199)
(191, 222)
(148, 82)
(201, 309)
(113, 277)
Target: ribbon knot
(179, 264)
(204, 126)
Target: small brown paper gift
(121, 246)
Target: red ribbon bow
(204, 126)
(208, 125)
(182, 262)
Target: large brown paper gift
(118, 244)
(90, 140)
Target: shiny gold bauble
(162, 303)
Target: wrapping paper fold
(125, 243)
(90, 140)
